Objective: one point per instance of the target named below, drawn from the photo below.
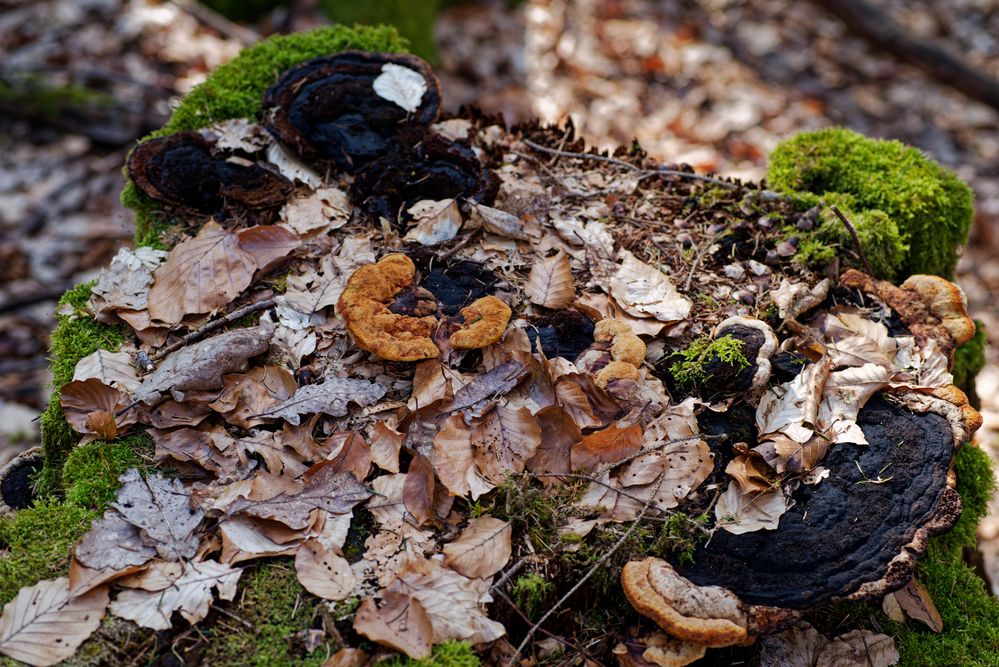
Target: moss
(969, 360)
(37, 543)
(448, 654)
(880, 239)
(689, 369)
(414, 20)
(930, 206)
(276, 607)
(76, 336)
(531, 591)
(234, 90)
(33, 95)
(90, 474)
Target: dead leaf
(348, 453)
(454, 460)
(124, 285)
(792, 299)
(160, 507)
(786, 455)
(482, 549)
(43, 625)
(917, 603)
(190, 593)
(739, 512)
(268, 245)
(201, 448)
(858, 647)
(347, 657)
(792, 407)
(112, 368)
(113, 543)
(401, 624)
(558, 435)
(750, 470)
(385, 445)
(401, 85)
(476, 397)
(246, 395)
(550, 283)
(291, 167)
(418, 490)
(434, 221)
(504, 440)
(501, 222)
(323, 572)
(316, 288)
(322, 209)
(644, 291)
(330, 398)
(794, 647)
(201, 366)
(90, 407)
(608, 446)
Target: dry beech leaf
(200, 448)
(453, 602)
(501, 222)
(348, 453)
(644, 291)
(246, 395)
(739, 512)
(201, 365)
(605, 447)
(325, 208)
(124, 285)
(90, 407)
(476, 397)
(112, 368)
(315, 288)
(83, 579)
(454, 460)
(347, 657)
(161, 508)
(418, 489)
(385, 445)
(435, 221)
(113, 543)
(291, 167)
(400, 85)
(400, 624)
(558, 435)
(550, 283)
(329, 398)
(750, 470)
(190, 593)
(43, 625)
(207, 272)
(917, 603)
(792, 299)
(794, 647)
(268, 245)
(858, 647)
(504, 440)
(323, 572)
(482, 549)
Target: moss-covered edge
(905, 203)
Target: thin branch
(212, 326)
(559, 638)
(593, 570)
(856, 239)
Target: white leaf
(400, 85)
(43, 626)
(644, 291)
(436, 221)
(739, 512)
(291, 168)
(326, 208)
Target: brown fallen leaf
(750, 470)
(91, 407)
(112, 368)
(323, 572)
(434, 222)
(504, 440)
(190, 593)
(418, 490)
(347, 657)
(43, 625)
(550, 283)
(558, 435)
(479, 395)
(385, 445)
(605, 447)
(858, 647)
(201, 448)
(482, 549)
(161, 508)
(739, 512)
(330, 398)
(201, 366)
(348, 453)
(454, 460)
(401, 624)
(917, 603)
(245, 395)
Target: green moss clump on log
(930, 207)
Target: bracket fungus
(364, 307)
(482, 323)
(759, 343)
(562, 333)
(350, 108)
(181, 170)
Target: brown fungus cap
(946, 302)
(483, 323)
(329, 109)
(364, 307)
(181, 170)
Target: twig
(514, 569)
(559, 638)
(212, 326)
(593, 570)
(856, 239)
(697, 261)
(218, 22)
(458, 246)
(621, 163)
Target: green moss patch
(448, 654)
(90, 474)
(690, 367)
(931, 208)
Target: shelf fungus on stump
(350, 108)
(181, 170)
(758, 345)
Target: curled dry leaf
(792, 299)
(454, 460)
(917, 603)
(739, 512)
(246, 395)
(161, 508)
(43, 625)
(202, 365)
(858, 647)
(644, 291)
(606, 447)
(482, 549)
(325, 208)
(323, 572)
(190, 593)
(329, 398)
(435, 221)
(113, 543)
(203, 448)
(385, 445)
(112, 368)
(401, 624)
(476, 397)
(91, 407)
(550, 282)
(504, 440)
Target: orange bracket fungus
(483, 323)
(364, 307)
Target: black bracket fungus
(454, 283)
(432, 168)
(329, 109)
(16, 477)
(563, 333)
(856, 534)
(181, 170)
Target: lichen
(234, 90)
(930, 206)
(689, 369)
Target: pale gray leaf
(329, 398)
(161, 508)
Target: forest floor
(715, 84)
